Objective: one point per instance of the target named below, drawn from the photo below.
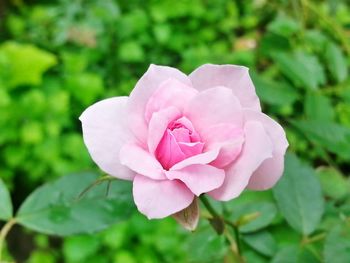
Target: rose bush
(177, 137)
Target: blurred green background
(58, 57)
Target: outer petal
(231, 76)
(257, 148)
(171, 93)
(158, 124)
(229, 138)
(142, 92)
(104, 132)
(214, 106)
(199, 178)
(271, 169)
(141, 162)
(159, 199)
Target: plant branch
(3, 233)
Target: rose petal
(214, 106)
(256, 149)
(169, 152)
(203, 158)
(104, 133)
(158, 124)
(191, 148)
(234, 77)
(159, 199)
(271, 169)
(228, 138)
(141, 162)
(171, 92)
(142, 92)
(199, 178)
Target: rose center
(180, 141)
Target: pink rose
(177, 137)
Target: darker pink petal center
(179, 142)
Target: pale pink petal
(214, 106)
(228, 138)
(171, 92)
(104, 132)
(203, 158)
(143, 91)
(271, 169)
(199, 178)
(159, 199)
(256, 149)
(141, 162)
(158, 125)
(234, 77)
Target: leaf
(334, 184)
(283, 25)
(273, 92)
(287, 254)
(318, 107)
(79, 248)
(295, 254)
(299, 197)
(25, 64)
(302, 69)
(336, 62)
(204, 245)
(6, 209)
(334, 137)
(263, 214)
(263, 242)
(56, 208)
(337, 245)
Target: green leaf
(334, 137)
(263, 242)
(336, 62)
(334, 184)
(295, 254)
(287, 254)
(18, 59)
(284, 26)
(272, 92)
(263, 214)
(318, 107)
(204, 245)
(299, 197)
(6, 209)
(337, 245)
(56, 208)
(79, 248)
(302, 69)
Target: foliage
(58, 57)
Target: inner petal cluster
(179, 142)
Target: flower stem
(3, 233)
(218, 223)
(208, 206)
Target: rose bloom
(177, 137)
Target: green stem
(3, 233)
(236, 243)
(208, 206)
